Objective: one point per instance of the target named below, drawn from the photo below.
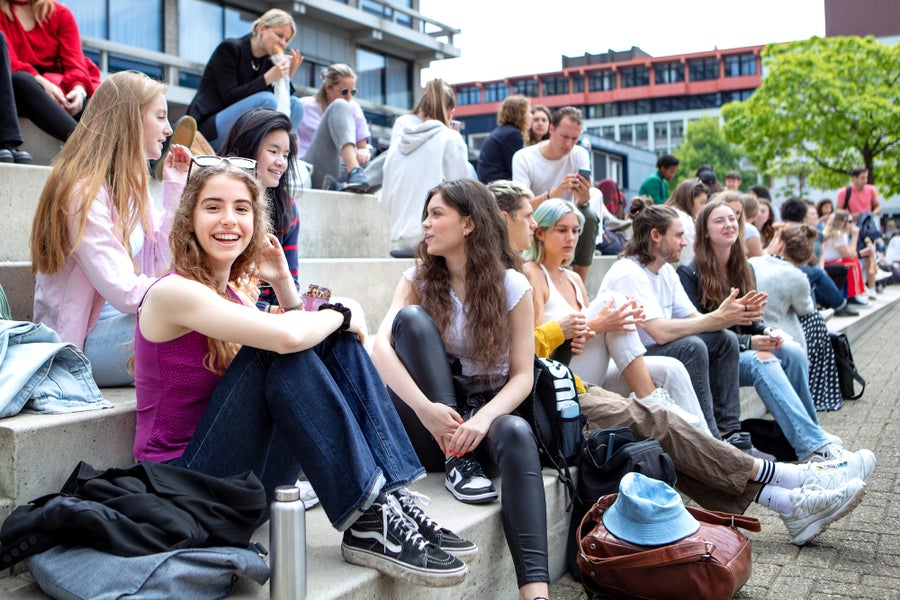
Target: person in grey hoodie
(424, 152)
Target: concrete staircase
(344, 246)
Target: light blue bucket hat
(648, 512)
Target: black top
(495, 160)
(231, 74)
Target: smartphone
(586, 173)
(455, 125)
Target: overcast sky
(502, 38)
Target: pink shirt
(100, 269)
(860, 200)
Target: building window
(740, 65)
(661, 135)
(384, 79)
(626, 134)
(468, 95)
(555, 86)
(736, 96)
(669, 73)
(380, 10)
(640, 135)
(608, 132)
(602, 81)
(134, 22)
(676, 133)
(635, 76)
(496, 92)
(526, 87)
(703, 70)
(577, 84)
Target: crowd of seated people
(168, 301)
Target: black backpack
(846, 368)
(559, 438)
(606, 457)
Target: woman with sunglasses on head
(241, 74)
(96, 242)
(224, 388)
(333, 135)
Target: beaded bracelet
(341, 309)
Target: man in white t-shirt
(673, 326)
(550, 169)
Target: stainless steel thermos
(287, 542)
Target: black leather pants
(509, 445)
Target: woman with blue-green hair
(611, 321)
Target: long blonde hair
(106, 148)
(42, 9)
(189, 259)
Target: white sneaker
(832, 474)
(814, 509)
(307, 493)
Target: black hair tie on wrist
(341, 309)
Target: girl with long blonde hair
(96, 244)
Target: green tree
(828, 104)
(704, 143)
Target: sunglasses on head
(247, 164)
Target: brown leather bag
(711, 564)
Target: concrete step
(42, 147)
(38, 452)
(329, 577)
(332, 224)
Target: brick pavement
(858, 557)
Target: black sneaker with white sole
(384, 538)
(466, 481)
(445, 539)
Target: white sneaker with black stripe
(466, 481)
(386, 539)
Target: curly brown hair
(515, 110)
(189, 258)
(488, 255)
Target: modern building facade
(386, 42)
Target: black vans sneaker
(386, 539)
(466, 481)
(445, 539)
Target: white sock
(776, 498)
(784, 475)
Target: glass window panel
(370, 69)
(468, 95)
(602, 81)
(660, 133)
(577, 84)
(608, 132)
(398, 83)
(526, 87)
(626, 134)
(635, 76)
(640, 135)
(136, 23)
(496, 92)
(91, 17)
(199, 29)
(238, 22)
(703, 70)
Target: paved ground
(859, 556)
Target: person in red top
(51, 76)
(863, 197)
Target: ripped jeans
(783, 384)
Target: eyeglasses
(346, 91)
(206, 160)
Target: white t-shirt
(531, 169)
(460, 342)
(830, 252)
(661, 294)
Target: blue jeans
(711, 360)
(824, 290)
(324, 409)
(783, 385)
(227, 116)
(109, 346)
